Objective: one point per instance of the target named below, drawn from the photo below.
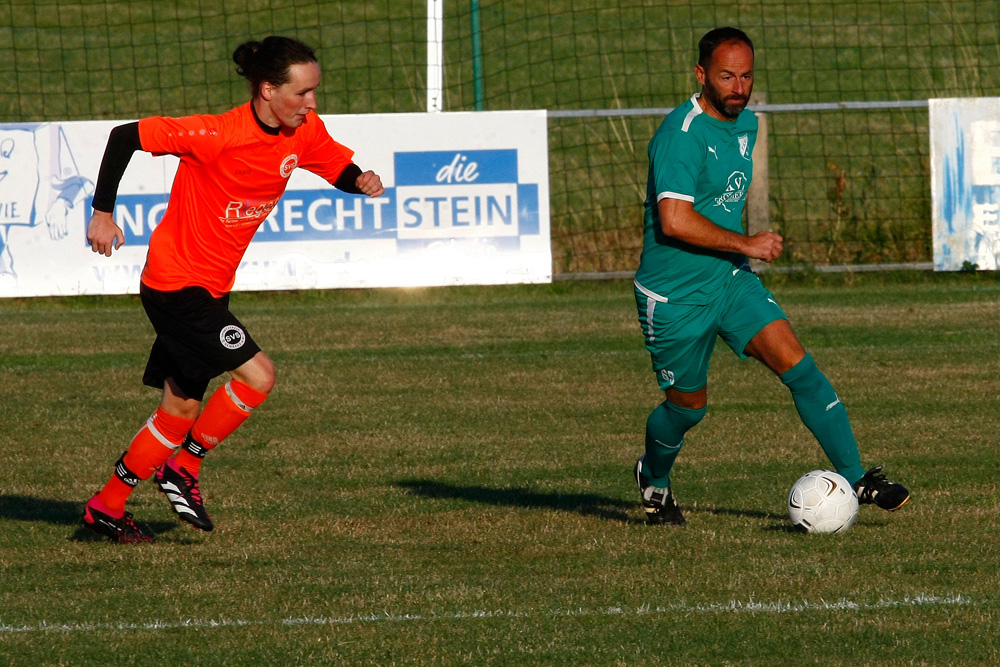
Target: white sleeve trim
(674, 195)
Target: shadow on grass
(587, 504)
(43, 510)
(61, 513)
(777, 523)
(154, 528)
(723, 511)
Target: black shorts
(197, 338)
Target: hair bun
(270, 60)
(245, 55)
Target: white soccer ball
(822, 501)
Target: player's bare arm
(104, 234)
(680, 221)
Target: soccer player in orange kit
(233, 169)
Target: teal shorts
(681, 338)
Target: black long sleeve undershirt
(348, 179)
(124, 141)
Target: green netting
(845, 186)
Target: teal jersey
(708, 162)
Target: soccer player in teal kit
(694, 282)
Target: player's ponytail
(269, 61)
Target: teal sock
(665, 429)
(823, 414)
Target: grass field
(443, 476)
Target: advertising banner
(466, 203)
(965, 183)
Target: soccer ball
(822, 501)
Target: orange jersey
(230, 177)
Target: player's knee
(268, 377)
(177, 403)
(258, 373)
(684, 417)
(691, 400)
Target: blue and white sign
(466, 203)
(965, 183)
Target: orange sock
(155, 442)
(227, 408)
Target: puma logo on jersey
(711, 149)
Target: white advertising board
(965, 183)
(467, 202)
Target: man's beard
(730, 107)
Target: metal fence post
(758, 198)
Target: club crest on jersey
(232, 337)
(736, 190)
(288, 165)
(744, 145)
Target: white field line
(732, 607)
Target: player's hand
(765, 245)
(104, 234)
(370, 184)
